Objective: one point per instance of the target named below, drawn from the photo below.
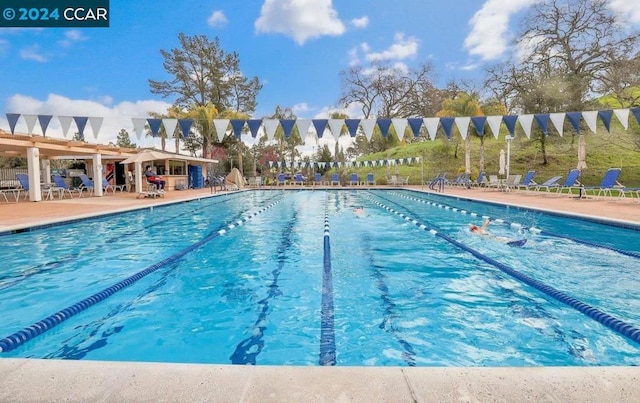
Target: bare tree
(384, 91)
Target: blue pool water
(296, 278)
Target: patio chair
(404, 181)
(282, 181)
(392, 180)
(335, 180)
(106, 186)
(456, 181)
(317, 179)
(298, 179)
(354, 180)
(511, 183)
(528, 181)
(608, 184)
(493, 182)
(371, 179)
(64, 187)
(554, 181)
(87, 184)
(570, 183)
(480, 181)
(465, 182)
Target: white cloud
(489, 27)
(33, 53)
(361, 22)
(217, 19)
(401, 49)
(299, 19)
(300, 108)
(629, 10)
(72, 36)
(116, 117)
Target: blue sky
(296, 47)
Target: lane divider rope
(515, 225)
(22, 336)
(625, 329)
(327, 329)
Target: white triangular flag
(463, 126)
(96, 124)
(65, 123)
(526, 121)
(432, 126)
(494, 124)
(31, 122)
(623, 117)
(221, 128)
(367, 127)
(336, 127)
(138, 126)
(591, 117)
(170, 126)
(558, 121)
(270, 127)
(303, 128)
(400, 125)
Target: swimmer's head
(473, 228)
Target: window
(177, 167)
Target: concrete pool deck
(59, 380)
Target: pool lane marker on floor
(515, 225)
(624, 329)
(327, 329)
(20, 337)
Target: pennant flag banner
(96, 124)
(384, 125)
(320, 125)
(44, 123)
(352, 126)
(185, 127)
(138, 126)
(81, 123)
(367, 126)
(31, 122)
(154, 125)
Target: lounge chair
(438, 182)
(528, 181)
(14, 192)
(354, 181)
(282, 181)
(317, 179)
(87, 184)
(106, 186)
(298, 179)
(64, 188)
(511, 183)
(392, 180)
(456, 181)
(465, 182)
(335, 180)
(608, 184)
(404, 181)
(480, 181)
(371, 179)
(570, 183)
(493, 182)
(554, 181)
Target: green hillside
(604, 150)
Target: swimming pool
(296, 278)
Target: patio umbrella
(147, 155)
(503, 163)
(582, 153)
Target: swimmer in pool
(482, 230)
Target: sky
(297, 48)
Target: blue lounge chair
(317, 179)
(480, 181)
(106, 186)
(298, 180)
(528, 181)
(457, 180)
(371, 179)
(335, 180)
(608, 184)
(354, 180)
(281, 179)
(87, 184)
(63, 187)
(570, 183)
(554, 181)
(23, 179)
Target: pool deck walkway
(58, 380)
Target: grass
(620, 148)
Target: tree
(202, 73)
(123, 140)
(384, 91)
(566, 50)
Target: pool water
(274, 277)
